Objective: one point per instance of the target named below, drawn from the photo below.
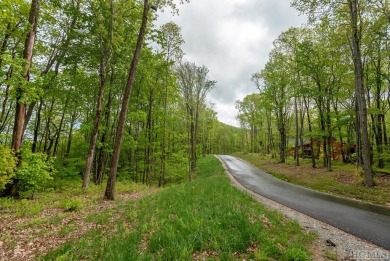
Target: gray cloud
(233, 39)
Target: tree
(259, 82)
(20, 110)
(110, 189)
(250, 114)
(171, 41)
(276, 92)
(194, 88)
(106, 45)
(360, 91)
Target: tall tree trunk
(360, 93)
(110, 189)
(196, 137)
(37, 125)
(313, 160)
(192, 148)
(296, 151)
(149, 146)
(301, 124)
(47, 128)
(58, 133)
(385, 139)
(20, 110)
(71, 125)
(164, 133)
(4, 112)
(96, 123)
(56, 57)
(103, 139)
(377, 122)
(269, 133)
(282, 135)
(342, 147)
(329, 134)
(105, 57)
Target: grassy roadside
(344, 180)
(207, 219)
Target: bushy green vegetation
(32, 173)
(207, 219)
(7, 165)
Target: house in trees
(305, 150)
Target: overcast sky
(232, 38)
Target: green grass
(207, 219)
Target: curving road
(366, 221)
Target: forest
(324, 93)
(94, 89)
(107, 134)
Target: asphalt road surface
(366, 221)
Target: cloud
(233, 39)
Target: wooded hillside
(83, 93)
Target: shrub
(7, 166)
(34, 171)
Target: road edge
(330, 240)
(341, 197)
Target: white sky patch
(225, 113)
(233, 39)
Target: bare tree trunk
(301, 123)
(105, 57)
(71, 125)
(296, 151)
(96, 123)
(5, 112)
(269, 133)
(47, 128)
(103, 140)
(377, 122)
(360, 93)
(164, 133)
(149, 149)
(37, 125)
(329, 134)
(282, 135)
(110, 189)
(385, 139)
(313, 160)
(58, 133)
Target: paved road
(366, 221)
